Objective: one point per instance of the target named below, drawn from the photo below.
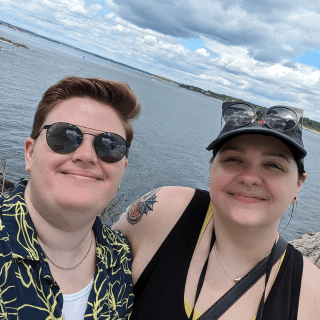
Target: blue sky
(311, 58)
(265, 52)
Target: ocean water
(171, 135)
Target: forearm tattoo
(142, 206)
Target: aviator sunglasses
(278, 118)
(66, 137)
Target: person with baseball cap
(218, 254)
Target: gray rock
(309, 245)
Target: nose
(250, 176)
(85, 152)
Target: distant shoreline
(311, 130)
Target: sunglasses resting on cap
(282, 122)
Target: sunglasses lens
(281, 119)
(238, 115)
(64, 137)
(110, 147)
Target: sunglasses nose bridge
(91, 134)
(92, 141)
(85, 150)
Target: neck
(57, 233)
(243, 246)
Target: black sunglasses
(278, 118)
(66, 137)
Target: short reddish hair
(117, 95)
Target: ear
(126, 163)
(28, 152)
(300, 183)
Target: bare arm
(309, 304)
(147, 222)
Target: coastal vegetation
(166, 79)
(311, 124)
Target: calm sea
(171, 135)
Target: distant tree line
(165, 79)
(311, 124)
(215, 95)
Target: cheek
(218, 181)
(114, 172)
(220, 177)
(283, 191)
(48, 164)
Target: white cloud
(151, 40)
(76, 6)
(248, 48)
(203, 52)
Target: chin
(245, 218)
(81, 209)
(78, 200)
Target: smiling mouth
(81, 175)
(248, 197)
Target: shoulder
(163, 205)
(148, 221)
(153, 215)
(309, 303)
(311, 279)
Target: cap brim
(297, 150)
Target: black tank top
(159, 292)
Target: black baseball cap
(292, 138)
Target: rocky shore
(14, 43)
(308, 244)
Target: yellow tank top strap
(188, 309)
(206, 221)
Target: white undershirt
(75, 304)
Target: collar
(111, 245)
(19, 226)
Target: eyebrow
(265, 154)
(278, 155)
(232, 148)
